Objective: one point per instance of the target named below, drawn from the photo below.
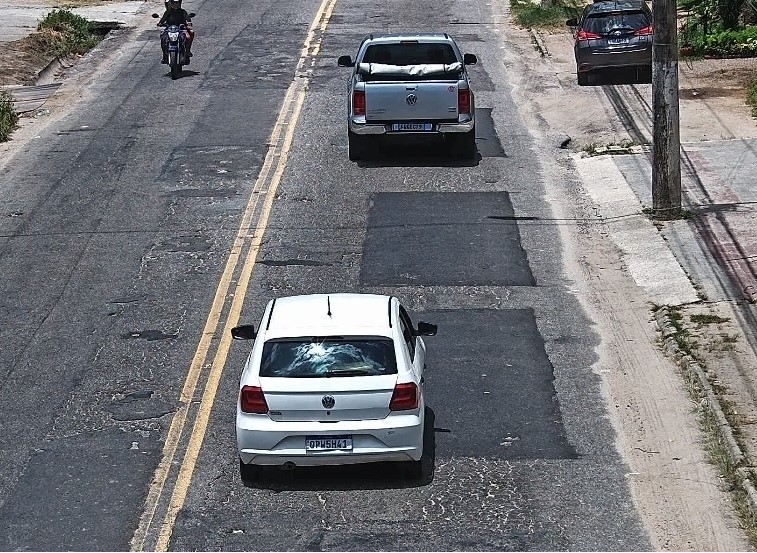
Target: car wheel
(464, 144)
(249, 473)
(583, 79)
(645, 74)
(356, 146)
(419, 471)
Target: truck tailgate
(411, 101)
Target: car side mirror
(191, 14)
(572, 22)
(345, 61)
(243, 332)
(426, 329)
(470, 59)
(155, 15)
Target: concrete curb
(693, 371)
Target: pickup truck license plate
(412, 127)
(328, 443)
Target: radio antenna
(328, 303)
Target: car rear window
(604, 23)
(328, 357)
(410, 53)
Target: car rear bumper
(593, 60)
(362, 128)
(262, 441)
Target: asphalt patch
(491, 385)
(443, 239)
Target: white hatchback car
(332, 379)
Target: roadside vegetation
(718, 28)
(733, 470)
(554, 15)
(63, 34)
(751, 97)
(8, 117)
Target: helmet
(172, 4)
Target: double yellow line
(158, 518)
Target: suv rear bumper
(362, 128)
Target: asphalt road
(118, 226)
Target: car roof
(392, 38)
(329, 314)
(616, 5)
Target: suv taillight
(645, 31)
(405, 397)
(358, 102)
(586, 35)
(463, 101)
(252, 400)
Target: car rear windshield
(604, 23)
(328, 357)
(410, 53)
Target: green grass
(527, 14)
(67, 33)
(751, 97)
(707, 319)
(8, 117)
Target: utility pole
(666, 140)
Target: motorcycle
(178, 57)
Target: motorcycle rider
(175, 15)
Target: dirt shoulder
(680, 494)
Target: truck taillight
(358, 102)
(252, 400)
(463, 101)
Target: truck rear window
(410, 53)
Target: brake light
(586, 35)
(463, 101)
(252, 400)
(405, 397)
(358, 102)
(645, 31)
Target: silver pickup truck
(410, 85)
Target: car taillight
(463, 101)
(644, 31)
(586, 35)
(358, 102)
(252, 400)
(405, 397)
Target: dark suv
(612, 34)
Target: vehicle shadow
(368, 476)
(415, 154)
(184, 73)
(620, 76)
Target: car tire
(249, 473)
(355, 146)
(464, 144)
(645, 74)
(419, 471)
(583, 79)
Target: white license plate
(617, 41)
(328, 443)
(412, 127)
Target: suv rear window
(604, 23)
(328, 357)
(410, 53)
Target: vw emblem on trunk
(328, 402)
(411, 99)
